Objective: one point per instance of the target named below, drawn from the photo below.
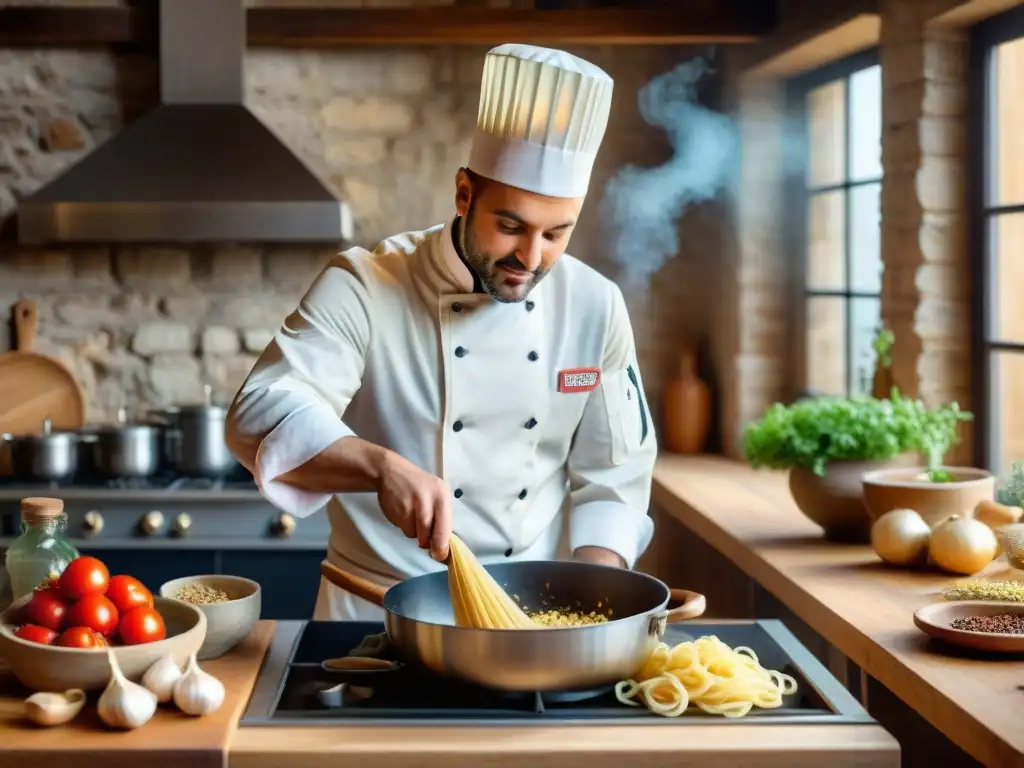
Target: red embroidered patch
(579, 379)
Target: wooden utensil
(34, 386)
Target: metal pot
(126, 450)
(421, 627)
(194, 439)
(49, 457)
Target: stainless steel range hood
(200, 167)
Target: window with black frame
(837, 222)
(998, 87)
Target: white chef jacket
(533, 412)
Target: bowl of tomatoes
(57, 637)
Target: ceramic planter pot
(836, 501)
(910, 488)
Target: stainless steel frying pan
(421, 627)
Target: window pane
(826, 345)
(826, 119)
(866, 238)
(1007, 418)
(865, 320)
(1007, 235)
(1008, 163)
(866, 124)
(826, 236)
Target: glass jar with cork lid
(42, 549)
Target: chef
(469, 377)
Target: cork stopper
(39, 508)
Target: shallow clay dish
(909, 488)
(935, 619)
(227, 622)
(51, 668)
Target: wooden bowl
(52, 668)
(228, 622)
(935, 619)
(909, 488)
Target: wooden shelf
(725, 21)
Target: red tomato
(84, 576)
(127, 592)
(142, 625)
(95, 612)
(80, 637)
(46, 608)
(35, 634)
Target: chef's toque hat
(541, 119)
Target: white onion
(962, 545)
(900, 537)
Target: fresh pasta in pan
(478, 601)
(707, 675)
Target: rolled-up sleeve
(290, 407)
(612, 459)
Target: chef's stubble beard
(485, 265)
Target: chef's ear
(463, 192)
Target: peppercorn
(1002, 623)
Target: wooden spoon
(54, 708)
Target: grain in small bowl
(231, 604)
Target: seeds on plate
(1002, 623)
(1008, 591)
(202, 594)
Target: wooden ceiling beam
(699, 22)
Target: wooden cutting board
(34, 386)
(169, 740)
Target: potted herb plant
(829, 443)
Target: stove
(168, 526)
(292, 689)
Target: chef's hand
(599, 556)
(416, 502)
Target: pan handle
(691, 605)
(357, 585)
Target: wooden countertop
(169, 740)
(653, 746)
(850, 598)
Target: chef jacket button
(456, 307)
(533, 356)
(460, 352)
(508, 552)
(458, 493)
(529, 306)
(457, 426)
(522, 494)
(531, 424)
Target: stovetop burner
(293, 689)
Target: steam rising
(641, 206)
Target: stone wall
(387, 128)
(926, 283)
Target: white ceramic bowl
(53, 668)
(228, 622)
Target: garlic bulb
(900, 537)
(161, 677)
(197, 692)
(124, 704)
(962, 545)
